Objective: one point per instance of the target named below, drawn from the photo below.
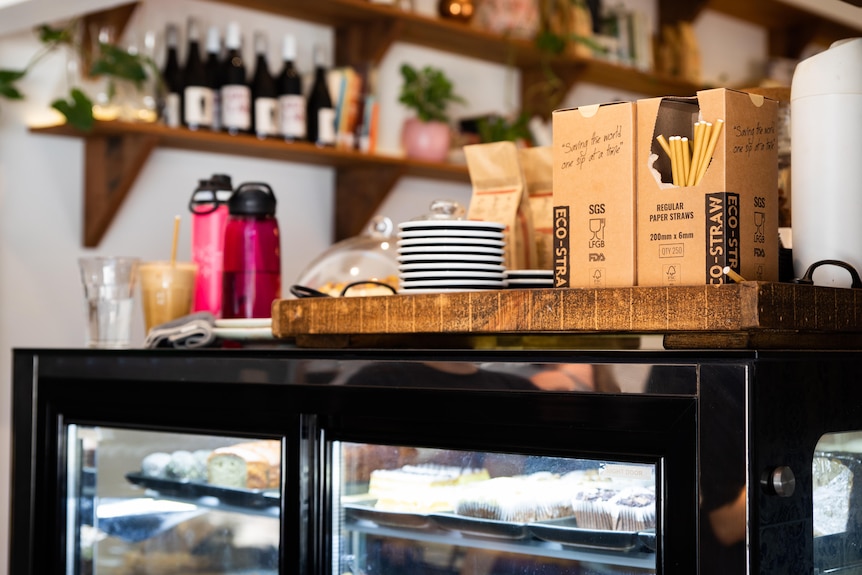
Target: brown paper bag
(499, 195)
(537, 166)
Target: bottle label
(216, 124)
(172, 110)
(291, 115)
(236, 107)
(198, 106)
(265, 117)
(326, 126)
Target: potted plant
(428, 92)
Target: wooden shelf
(115, 152)
(790, 28)
(364, 31)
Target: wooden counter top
(742, 316)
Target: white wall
(41, 184)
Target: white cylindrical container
(826, 178)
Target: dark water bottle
(252, 254)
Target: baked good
(593, 508)
(180, 465)
(248, 465)
(635, 509)
(520, 499)
(833, 487)
(156, 464)
(421, 488)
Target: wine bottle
(320, 115)
(291, 101)
(263, 93)
(212, 73)
(173, 77)
(198, 90)
(235, 92)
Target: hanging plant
(110, 62)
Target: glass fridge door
(404, 509)
(154, 502)
(837, 503)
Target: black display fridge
(440, 462)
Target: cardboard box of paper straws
(707, 193)
(594, 195)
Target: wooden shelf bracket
(111, 165)
(359, 192)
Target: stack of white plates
(450, 255)
(520, 279)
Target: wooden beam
(673, 11)
(114, 19)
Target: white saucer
(530, 273)
(243, 333)
(244, 322)
(434, 250)
(412, 291)
(530, 283)
(434, 234)
(454, 266)
(450, 274)
(453, 283)
(451, 225)
(486, 259)
(410, 242)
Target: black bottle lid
(210, 194)
(252, 199)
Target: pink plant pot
(428, 141)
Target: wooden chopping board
(748, 315)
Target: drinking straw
(672, 156)
(706, 134)
(695, 153)
(664, 145)
(733, 275)
(176, 239)
(710, 148)
(686, 160)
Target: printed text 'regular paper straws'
(688, 160)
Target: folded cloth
(187, 332)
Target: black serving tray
(365, 510)
(483, 527)
(185, 489)
(566, 532)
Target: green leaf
(78, 110)
(549, 42)
(49, 35)
(8, 89)
(118, 63)
(428, 92)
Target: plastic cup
(109, 291)
(166, 291)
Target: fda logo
(597, 257)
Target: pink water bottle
(208, 205)
(252, 255)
